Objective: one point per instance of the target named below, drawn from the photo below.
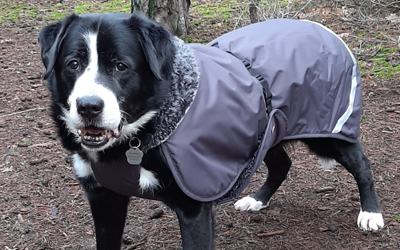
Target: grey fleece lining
(185, 82)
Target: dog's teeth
(94, 138)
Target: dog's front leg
(109, 212)
(196, 224)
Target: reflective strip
(343, 119)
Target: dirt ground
(43, 207)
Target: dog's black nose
(89, 106)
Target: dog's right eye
(73, 64)
(121, 67)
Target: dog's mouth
(95, 137)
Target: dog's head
(107, 73)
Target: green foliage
(15, 10)
(216, 10)
(383, 67)
(115, 6)
(388, 50)
(380, 65)
(10, 12)
(283, 3)
(81, 9)
(397, 218)
(208, 12)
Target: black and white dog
(140, 112)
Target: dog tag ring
(134, 155)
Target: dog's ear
(155, 40)
(50, 38)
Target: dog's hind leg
(278, 163)
(109, 212)
(351, 156)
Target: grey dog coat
(225, 131)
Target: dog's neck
(185, 82)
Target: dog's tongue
(94, 130)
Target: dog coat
(214, 129)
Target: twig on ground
(42, 144)
(21, 112)
(271, 233)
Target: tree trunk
(253, 9)
(174, 14)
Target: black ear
(155, 40)
(50, 38)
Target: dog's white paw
(370, 221)
(249, 203)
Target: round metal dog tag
(134, 156)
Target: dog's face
(108, 73)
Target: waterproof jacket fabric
(316, 92)
(223, 131)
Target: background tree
(253, 11)
(174, 14)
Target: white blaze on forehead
(91, 41)
(89, 84)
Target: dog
(145, 115)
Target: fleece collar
(185, 82)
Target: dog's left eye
(73, 64)
(121, 67)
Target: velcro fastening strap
(261, 80)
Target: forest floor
(43, 207)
